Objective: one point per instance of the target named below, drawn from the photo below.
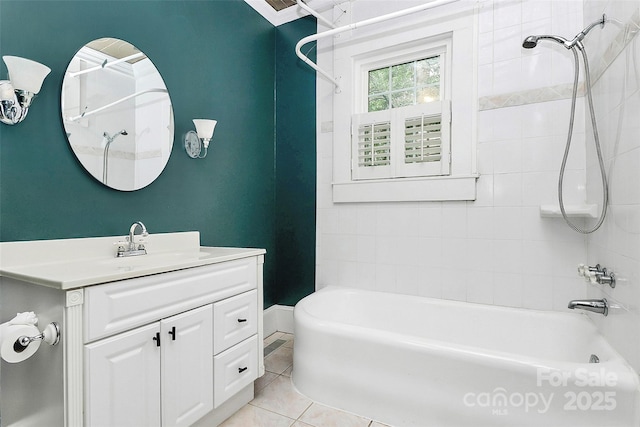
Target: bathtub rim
(308, 319)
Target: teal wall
(295, 163)
(217, 59)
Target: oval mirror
(117, 114)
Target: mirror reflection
(117, 114)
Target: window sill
(430, 189)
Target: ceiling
(280, 12)
(278, 5)
(115, 48)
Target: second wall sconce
(195, 141)
(17, 93)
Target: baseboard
(278, 318)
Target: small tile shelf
(574, 211)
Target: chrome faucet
(594, 305)
(131, 247)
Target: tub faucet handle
(586, 271)
(597, 275)
(606, 277)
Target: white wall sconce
(193, 142)
(17, 93)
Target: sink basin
(165, 260)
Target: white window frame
(435, 46)
(395, 39)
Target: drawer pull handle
(242, 320)
(157, 339)
(172, 332)
(241, 370)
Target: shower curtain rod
(106, 64)
(353, 26)
(97, 110)
(304, 6)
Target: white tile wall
(617, 244)
(497, 249)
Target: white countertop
(73, 263)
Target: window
(405, 127)
(404, 117)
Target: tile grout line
(303, 412)
(273, 412)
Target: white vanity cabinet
(177, 342)
(188, 360)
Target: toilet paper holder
(50, 334)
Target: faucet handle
(582, 270)
(592, 277)
(587, 271)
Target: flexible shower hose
(605, 190)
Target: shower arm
(126, 98)
(353, 26)
(577, 40)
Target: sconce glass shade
(204, 128)
(195, 142)
(26, 74)
(17, 94)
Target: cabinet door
(122, 381)
(187, 366)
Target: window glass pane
(402, 99)
(402, 76)
(428, 71)
(379, 81)
(406, 84)
(378, 103)
(428, 94)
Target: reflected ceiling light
(195, 141)
(17, 93)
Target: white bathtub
(410, 361)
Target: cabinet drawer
(234, 319)
(234, 369)
(119, 306)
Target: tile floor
(278, 404)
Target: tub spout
(594, 305)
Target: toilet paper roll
(11, 335)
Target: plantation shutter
(426, 140)
(371, 145)
(423, 139)
(403, 142)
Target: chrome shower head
(115, 135)
(530, 42)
